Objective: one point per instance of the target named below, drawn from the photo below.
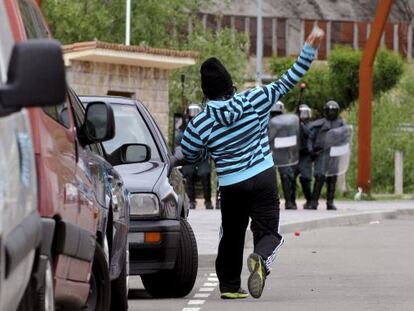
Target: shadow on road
(139, 294)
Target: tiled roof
(81, 46)
(352, 10)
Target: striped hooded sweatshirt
(233, 132)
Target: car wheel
(119, 290)
(100, 290)
(180, 281)
(45, 295)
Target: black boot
(317, 189)
(293, 194)
(208, 205)
(286, 187)
(307, 192)
(330, 193)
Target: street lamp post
(128, 23)
(259, 42)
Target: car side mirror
(36, 76)
(99, 122)
(130, 153)
(135, 153)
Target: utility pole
(259, 42)
(128, 23)
(365, 94)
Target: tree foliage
(155, 23)
(390, 110)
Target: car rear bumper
(148, 257)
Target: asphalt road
(365, 267)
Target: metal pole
(128, 23)
(365, 94)
(259, 42)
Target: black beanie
(215, 79)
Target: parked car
(115, 218)
(23, 83)
(162, 246)
(75, 204)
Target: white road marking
(201, 295)
(210, 284)
(203, 292)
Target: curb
(208, 260)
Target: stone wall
(149, 85)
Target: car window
(157, 129)
(59, 113)
(6, 43)
(130, 128)
(32, 20)
(78, 109)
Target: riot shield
(337, 150)
(284, 139)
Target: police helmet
(193, 110)
(304, 112)
(331, 110)
(278, 108)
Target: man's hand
(315, 37)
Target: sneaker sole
(255, 283)
(234, 296)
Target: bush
(344, 74)
(318, 91)
(279, 65)
(389, 67)
(390, 110)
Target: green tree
(75, 21)
(161, 23)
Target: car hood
(141, 177)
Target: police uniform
(304, 167)
(321, 128)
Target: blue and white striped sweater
(234, 132)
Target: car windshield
(130, 128)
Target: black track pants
(258, 199)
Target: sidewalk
(206, 223)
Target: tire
(180, 281)
(119, 291)
(45, 296)
(100, 289)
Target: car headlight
(144, 204)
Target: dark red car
(73, 199)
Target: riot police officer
(321, 127)
(286, 172)
(304, 167)
(200, 171)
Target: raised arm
(264, 97)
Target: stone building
(286, 23)
(99, 68)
